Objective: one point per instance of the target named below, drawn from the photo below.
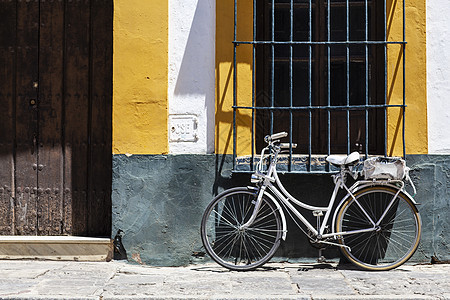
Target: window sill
(299, 163)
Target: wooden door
(55, 121)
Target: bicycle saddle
(341, 160)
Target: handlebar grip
(275, 136)
(286, 145)
(278, 135)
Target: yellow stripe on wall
(416, 132)
(140, 77)
(225, 73)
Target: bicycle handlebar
(275, 136)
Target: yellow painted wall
(416, 112)
(224, 76)
(140, 77)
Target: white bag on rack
(385, 168)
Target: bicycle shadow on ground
(293, 267)
(317, 266)
(212, 269)
(273, 268)
(220, 269)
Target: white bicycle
(376, 224)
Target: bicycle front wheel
(394, 239)
(232, 246)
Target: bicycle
(376, 225)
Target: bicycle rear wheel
(233, 247)
(395, 239)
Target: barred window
(320, 74)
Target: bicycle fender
(387, 184)
(338, 207)
(280, 210)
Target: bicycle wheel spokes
(391, 243)
(229, 244)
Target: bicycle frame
(376, 224)
(272, 183)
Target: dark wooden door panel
(26, 117)
(50, 152)
(99, 209)
(55, 121)
(7, 96)
(77, 115)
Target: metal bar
(253, 86)
(348, 73)
(328, 81)
(404, 80)
(291, 172)
(234, 86)
(321, 43)
(310, 87)
(272, 88)
(366, 112)
(352, 107)
(291, 35)
(385, 78)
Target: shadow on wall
(198, 55)
(226, 75)
(196, 74)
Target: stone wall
(158, 202)
(431, 174)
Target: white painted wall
(191, 76)
(438, 76)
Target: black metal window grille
(319, 73)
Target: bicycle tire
(396, 238)
(240, 249)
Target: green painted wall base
(158, 202)
(431, 175)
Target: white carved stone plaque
(182, 128)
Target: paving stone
(27, 273)
(121, 280)
(262, 285)
(14, 287)
(323, 286)
(74, 286)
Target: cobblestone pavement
(122, 280)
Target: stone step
(73, 248)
